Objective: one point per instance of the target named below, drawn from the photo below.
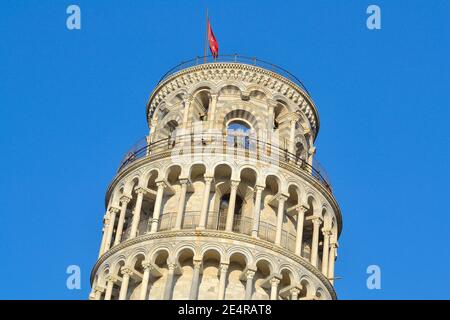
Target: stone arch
(230, 89)
(292, 274)
(307, 287)
(132, 183)
(173, 173)
(244, 251)
(184, 247)
(199, 106)
(223, 84)
(281, 99)
(313, 203)
(119, 262)
(223, 175)
(150, 176)
(197, 170)
(152, 256)
(267, 260)
(134, 256)
(241, 114)
(257, 88)
(251, 169)
(221, 251)
(202, 85)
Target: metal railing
(228, 145)
(217, 221)
(234, 58)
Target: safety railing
(229, 145)
(241, 224)
(234, 58)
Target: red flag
(213, 45)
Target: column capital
(294, 291)
(250, 274)
(274, 281)
(282, 197)
(302, 208)
(126, 270)
(197, 264)
(326, 232)
(224, 267)
(317, 220)
(112, 278)
(184, 181)
(259, 188)
(271, 103)
(172, 266)
(147, 265)
(161, 184)
(208, 179)
(235, 184)
(114, 210)
(140, 190)
(99, 289)
(125, 198)
(188, 98)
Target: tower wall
(223, 200)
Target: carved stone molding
(217, 234)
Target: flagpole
(206, 36)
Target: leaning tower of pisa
(223, 199)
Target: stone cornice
(216, 234)
(245, 72)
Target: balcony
(242, 225)
(248, 147)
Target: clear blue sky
(72, 102)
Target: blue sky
(72, 103)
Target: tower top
(279, 84)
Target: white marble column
(332, 257)
(112, 219)
(104, 232)
(231, 205)
(193, 294)
(157, 209)
(317, 221)
(124, 200)
(292, 136)
(181, 204)
(249, 284)
(111, 280)
(126, 274)
(300, 222)
(280, 216)
(137, 212)
(212, 110)
(326, 250)
(187, 104)
(205, 203)
(274, 288)
(98, 292)
(222, 281)
(294, 293)
(169, 281)
(257, 211)
(144, 284)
